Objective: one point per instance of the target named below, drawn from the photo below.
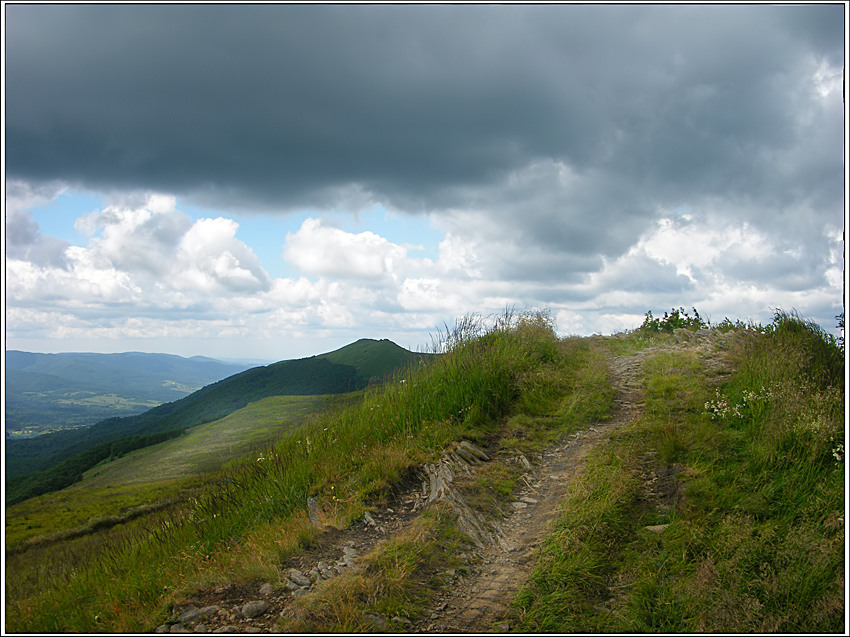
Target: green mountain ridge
(114, 370)
(42, 464)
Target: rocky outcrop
(436, 485)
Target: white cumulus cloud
(150, 255)
(319, 249)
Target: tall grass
(346, 460)
(754, 540)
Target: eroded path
(480, 602)
(477, 601)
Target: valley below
(50, 393)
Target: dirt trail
(478, 601)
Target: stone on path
(348, 555)
(255, 608)
(192, 613)
(299, 578)
(377, 621)
(266, 589)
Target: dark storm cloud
(275, 100)
(420, 106)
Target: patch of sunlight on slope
(209, 446)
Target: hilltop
(671, 479)
(52, 461)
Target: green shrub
(677, 318)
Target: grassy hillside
(755, 543)
(210, 446)
(374, 359)
(144, 477)
(349, 369)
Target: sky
(276, 181)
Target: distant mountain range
(57, 458)
(50, 392)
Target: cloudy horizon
(276, 181)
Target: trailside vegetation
(747, 534)
(675, 319)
